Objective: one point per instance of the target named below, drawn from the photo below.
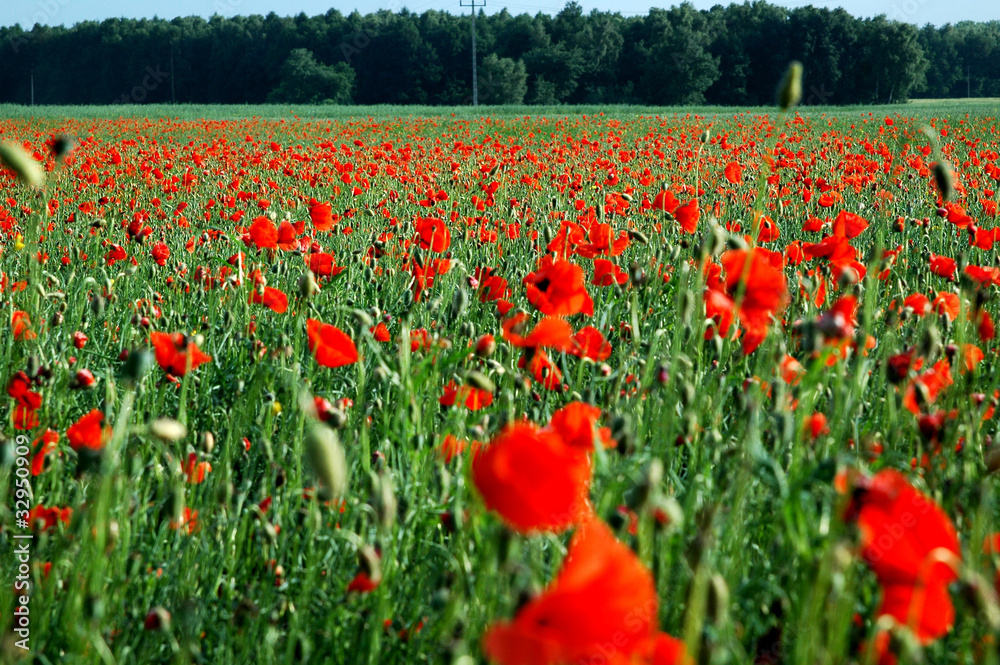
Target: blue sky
(68, 12)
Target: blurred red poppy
(533, 479)
(331, 345)
(602, 604)
(912, 547)
(89, 431)
(177, 354)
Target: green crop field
(321, 384)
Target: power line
(472, 4)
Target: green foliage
(305, 81)
(725, 55)
(502, 80)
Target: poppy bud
(83, 379)
(383, 499)
(623, 433)
(22, 164)
(370, 562)
(790, 88)
(167, 429)
(945, 181)
(485, 346)
(327, 459)
(992, 459)
(687, 394)
(459, 302)
(308, 287)
(157, 619)
(207, 442)
(639, 237)
(718, 599)
(62, 145)
(667, 512)
(361, 318)
(480, 381)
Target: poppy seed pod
(790, 88)
(326, 457)
(943, 178)
(22, 164)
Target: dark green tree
(306, 81)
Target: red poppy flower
(160, 253)
(947, 303)
(434, 235)
(20, 325)
(558, 290)
(176, 354)
(324, 265)
(19, 388)
(576, 423)
(451, 447)
(918, 302)
(331, 345)
(473, 398)
(849, 225)
(271, 298)
(665, 201)
(533, 479)
(760, 288)
(588, 342)
(911, 546)
(607, 273)
(541, 367)
(687, 216)
(380, 332)
(734, 173)
(48, 518)
(943, 266)
(286, 236)
(551, 333)
(925, 388)
(264, 234)
(89, 431)
(194, 470)
(42, 446)
(602, 600)
(362, 583)
(321, 215)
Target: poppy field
(528, 390)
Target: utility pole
(472, 5)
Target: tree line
(724, 55)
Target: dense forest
(725, 55)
